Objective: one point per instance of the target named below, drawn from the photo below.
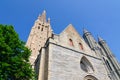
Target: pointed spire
(100, 39)
(85, 31)
(44, 13)
(48, 20)
(70, 25)
(39, 16)
(43, 16)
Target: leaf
(14, 56)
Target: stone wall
(64, 64)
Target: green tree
(14, 56)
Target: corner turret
(112, 64)
(89, 39)
(100, 39)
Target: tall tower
(38, 36)
(110, 61)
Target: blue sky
(100, 17)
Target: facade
(69, 56)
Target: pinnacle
(42, 17)
(85, 31)
(48, 20)
(44, 12)
(70, 24)
(99, 38)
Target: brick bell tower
(38, 36)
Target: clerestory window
(81, 46)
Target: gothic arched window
(71, 42)
(81, 46)
(86, 65)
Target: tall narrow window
(42, 29)
(38, 27)
(81, 46)
(71, 42)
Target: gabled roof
(70, 29)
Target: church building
(68, 55)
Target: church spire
(42, 17)
(44, 14)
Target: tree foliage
(14, 56)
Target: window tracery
(86, 65)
